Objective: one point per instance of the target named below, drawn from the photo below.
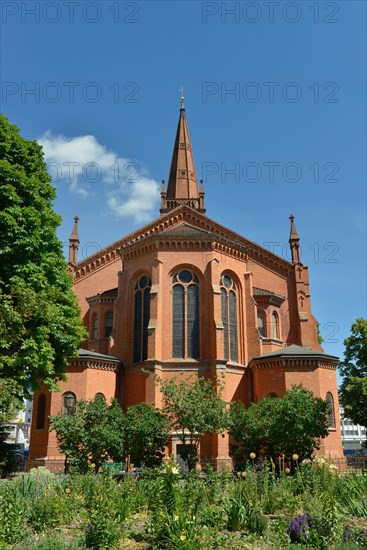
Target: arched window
(275, 326)
(261, 323)
(95, 326)
(185, 315)
(331, 412)
(99, 396)
(229, 317)
(141, 318)
(69, 402)
(41, 412)
(108, 324)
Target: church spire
(294, 242)
(74, 243)
(182, 187)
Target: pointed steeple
(74, 243)
(294, 242)
(182, 185)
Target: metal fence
(350, 464)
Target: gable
(183, 222)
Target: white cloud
(84, 164)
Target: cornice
(293, 362)
(99, 364)
(97, 300)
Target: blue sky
(275, 100)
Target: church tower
(182, 186)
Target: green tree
(353, 398)
(146, 434)
(40, 324)
(194, 408)
(353, 390)
(294, 423)
(93, 434)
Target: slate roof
(111, 292)
(263, 292)
(88, 354)
(184, 230)
(295, 351)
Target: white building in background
(353, 435)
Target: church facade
(185, 293)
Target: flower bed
(316, 507)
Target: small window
(331, 412)
(261, 323)
(69, 402)
(99, 396)
(41, 412)
(275, 325)
(95, 326)
(108, 324)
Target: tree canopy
(146, 434)
(92, 434)
(292, 424)
(40, 324)
(353, 390)
(194, 408)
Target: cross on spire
(182, 99)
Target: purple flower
(299, 526)
(90, 526)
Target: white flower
(175, 470)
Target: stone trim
(100, 364)
(292, 362)
(97, 300)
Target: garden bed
(314, 508)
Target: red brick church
(185, 293)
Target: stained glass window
(185, 316)
(229, 318)
(141, 319)
(109, 324)
(95, 326)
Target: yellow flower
(252, 455)
(182, 537)
(295, 456)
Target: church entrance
(181, 454)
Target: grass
(165, 510)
